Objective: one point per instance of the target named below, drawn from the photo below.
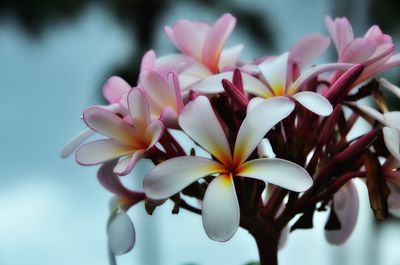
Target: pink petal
(306, 50)
(121, 233)
(190, 37)
(114, 88)
(173, 175)
(257, 123)
(215, 40)
(314, 102)
(346, 207)
(76, 141)
(277, 171)
(109, 180)
(198, 121)
(125, 165)
(139, 109)
(100, 151)
(230, 57)
(221, 213)
(340, 31)
(148, 61)
(108, 124)
(158, 89)
(357, 51)
(154, 133)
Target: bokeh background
(54, 58)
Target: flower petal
(198, 120)
(221, 213)
(392, 141)
(114, 88)
(125, 165)
(346, 207)
(394, 196)
(277, 171)
(306, 50)
(173, 175)
(264, 149)
(392, 119)
(275, 72)
(148, 60)
(108, 124)
(121, 233)
(371, 112)
(158, 89)
(109, 180)
(391, 87)
(154, 133)
(257, 123)
(215, 40)
(139, 110)
(314, 102)
(357, 51)
(100, 151)
(230, 57)
(340, 31)
(76, 141)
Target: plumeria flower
(346, 206)
(115, 91)
(375, 51)
(221, 213)
(129, 138)
(205, 42)
(163, 96)
(276, 75)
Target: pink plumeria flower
(346, 205)
(115, 91)
(129, 140)
(375, 51)
(205, 42)
(163, 96)
(276, 75)
(221, 213)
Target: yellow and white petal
(198, 121)
(279, 172)
(175, 174)
(346, 205)
(275, 72)
(108, 124)
(257, 123)
(121, 233)
(100, 151)
(139, 110)
(221, 213)
(391, 138)
(314, 102)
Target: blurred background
(54, 58)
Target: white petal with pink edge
(154, 133)
(257, 123)
(198, 121)
(173, 175)
(314, 102)
(108, 124)
(391, 138)
(279, 172)
(114, 88)
(221, 213)
(346, 204)
(100, 151)
(121, 233)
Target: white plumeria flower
(346, 205)
(221, 213)
(127, 141)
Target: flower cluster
(275, 131)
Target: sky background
(53, 62)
